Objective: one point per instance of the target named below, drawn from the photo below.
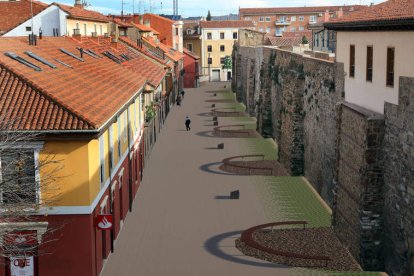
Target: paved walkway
(182, 223)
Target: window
(28, 29)
(222, 48)
(95, 28)
(390, 66)
(370, 56)
(261, 30)
(267, 18)
(77, 25)
(222, 60)
(209, 48)
(209, 36)
(293, 18)
(293, 29)
(190, 47)
(235, 35)
(18, 176)
(301, 28)
(221, 35)
(85, 29)
(100, 29)
(312, 19)
(176, 31)
(210, 60)
(283, 19)
(301, 18)
(102, 160)
(267, 30)
(189, 31)
(352, 61)
(261, 19)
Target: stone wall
(360, 162)
(251, 38)
(399, 182)
(357, 208)
(293, 99)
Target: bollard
(235, 194)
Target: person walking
(187, 123)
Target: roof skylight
(22, 61)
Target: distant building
(191, 69)
(227, 17)
(192, 38)
(50, 20)
(375, 45)
(218, 39)
(276, 21)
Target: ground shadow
(207, 133)
(205, 114)
(209, 168)
(222, 197)
(212, 245)
(181, 130)
(212, 148)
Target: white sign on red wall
(104, 222)
(22, 266)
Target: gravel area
(311, 241)
(278, 169)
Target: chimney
(340, 12)
(114, 43)
(147, 23)
(326, 16)
(78, 4)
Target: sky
(200, 7)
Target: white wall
(51, 17)
(372, 95)
(178, 40)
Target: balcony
(282, 23)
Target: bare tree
(28, 186)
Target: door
(215, 75)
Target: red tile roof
(15, 13)
(169, 52)
(145, 51)
(82, 98)
(284, 41)
(227, 24)
(387, 11)
(120, 22)
(296, 10)
(82, 13)
(144, 28)
(153, 72)
(191, 54)
(300, 34)
(163, 25)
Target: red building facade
(191, 69)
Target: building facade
(96, 132)
(276, 21)
(191, 69)
(218, 38)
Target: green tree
(227, 63)
(208, 18)
(304, 40)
